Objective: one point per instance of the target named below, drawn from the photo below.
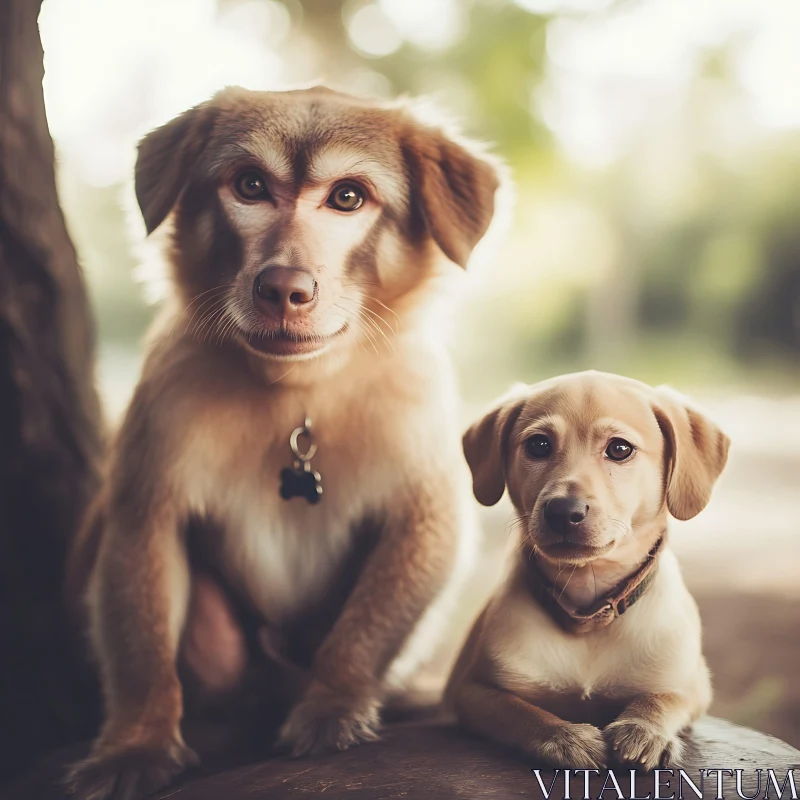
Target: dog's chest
(285, 555)
(633, 654)
(376, 431)
(573, 666)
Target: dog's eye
(346, 197)
(538, 446)
(251, 185)
(619, 450)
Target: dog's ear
(695, 453)
(486, 447)
(164, 161)
(452, 188)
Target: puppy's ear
(165, 158)
(486, 446)
(695, 452)
(453, 190)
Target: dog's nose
(564, 513)
(286, 291)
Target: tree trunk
(49, 415)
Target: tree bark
(50, 437)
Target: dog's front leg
(506, 718)
(646, 732)
(409, 566)
(138, 603)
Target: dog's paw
(128, 773)
(325, 722)
(574, 746)
(642, 744)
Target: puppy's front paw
(324, 722)
(574, 747)
(642, 744)
(127, 773)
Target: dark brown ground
(753, 649)
(440, 762)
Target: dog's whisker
(208, 317)
(515, 522)
(215, 289)
(210, 326)
(227, 328)
(206, 322)
(360, 322)
(362, 328)
(379, 318)
(359, 284)
(574, 567)
(383, 305)
(558, 575)
(211, 315)
(218, 325)
(374, 326)
(371, 298)
(354, 306)
(625, 528)
(220, 293)
(215, 323)
(288, 372)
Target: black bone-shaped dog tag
(300, 480)
(301, 483)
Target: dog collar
(604, 611)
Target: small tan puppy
(306, 235)
(589, 652)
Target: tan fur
(207, 431)
(619, 693)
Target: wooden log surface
(440, 762)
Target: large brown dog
(307, 233)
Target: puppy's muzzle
(564, 515)
(285, 293)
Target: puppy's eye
(346, 197)
(251, 185)
(619, 450)
(538, 446)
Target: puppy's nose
(285, 291)
(563, 514)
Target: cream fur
(644, 674)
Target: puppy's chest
(535, 656)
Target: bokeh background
(655, 146)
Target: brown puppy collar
(606, 610)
